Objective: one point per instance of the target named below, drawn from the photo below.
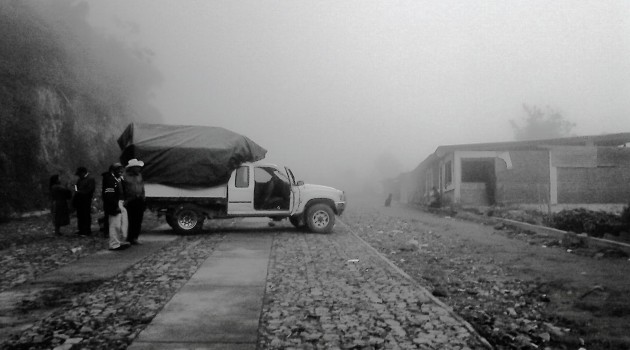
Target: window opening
(448, 173)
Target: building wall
(554, 175)
(432, 179)
(448, 197)
(527, 181)
(421, 180)
(605, 178)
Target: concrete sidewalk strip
(101, 265)
(220, 306)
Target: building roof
(609, 140)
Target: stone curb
(452, 313)
(590, 241)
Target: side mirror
(300, 183)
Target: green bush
(594, 223)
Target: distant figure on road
(113, 205)
(59, 197)
(388, 201)
(133, 185)
(82, 201)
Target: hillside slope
(66, 93)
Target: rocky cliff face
(66, 94)
(47, 134)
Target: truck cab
(260, 190)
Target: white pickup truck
(253, 190)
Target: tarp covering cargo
(187, 155)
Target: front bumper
(340, 207)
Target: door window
(242, 177)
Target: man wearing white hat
(113, 204)
(134, 198)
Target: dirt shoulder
(519, 290)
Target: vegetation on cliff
(66, 92)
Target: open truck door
(259, 190)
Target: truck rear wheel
(320, 218)
(187, 220)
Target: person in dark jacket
(113, 205)
(82, 201)
(388, 200)
(103, 222)
(134, 198)
(59, 197)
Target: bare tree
(541, 124)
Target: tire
(320, 218)
(187, 221)
(297, 221)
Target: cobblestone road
(323, 292)
(111, 314)
(334, 291)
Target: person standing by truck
(59, 197)
(82, 201)
(113, 198)
(134, 198)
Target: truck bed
(153, 190)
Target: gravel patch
(30, 249)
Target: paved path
(220, 306)
(102, 265)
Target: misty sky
(326, 86)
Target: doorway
(481, 171)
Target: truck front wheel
(187, 220)
(320, 218)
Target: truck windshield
(281, 175)
(265, 174)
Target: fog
(331, 87)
